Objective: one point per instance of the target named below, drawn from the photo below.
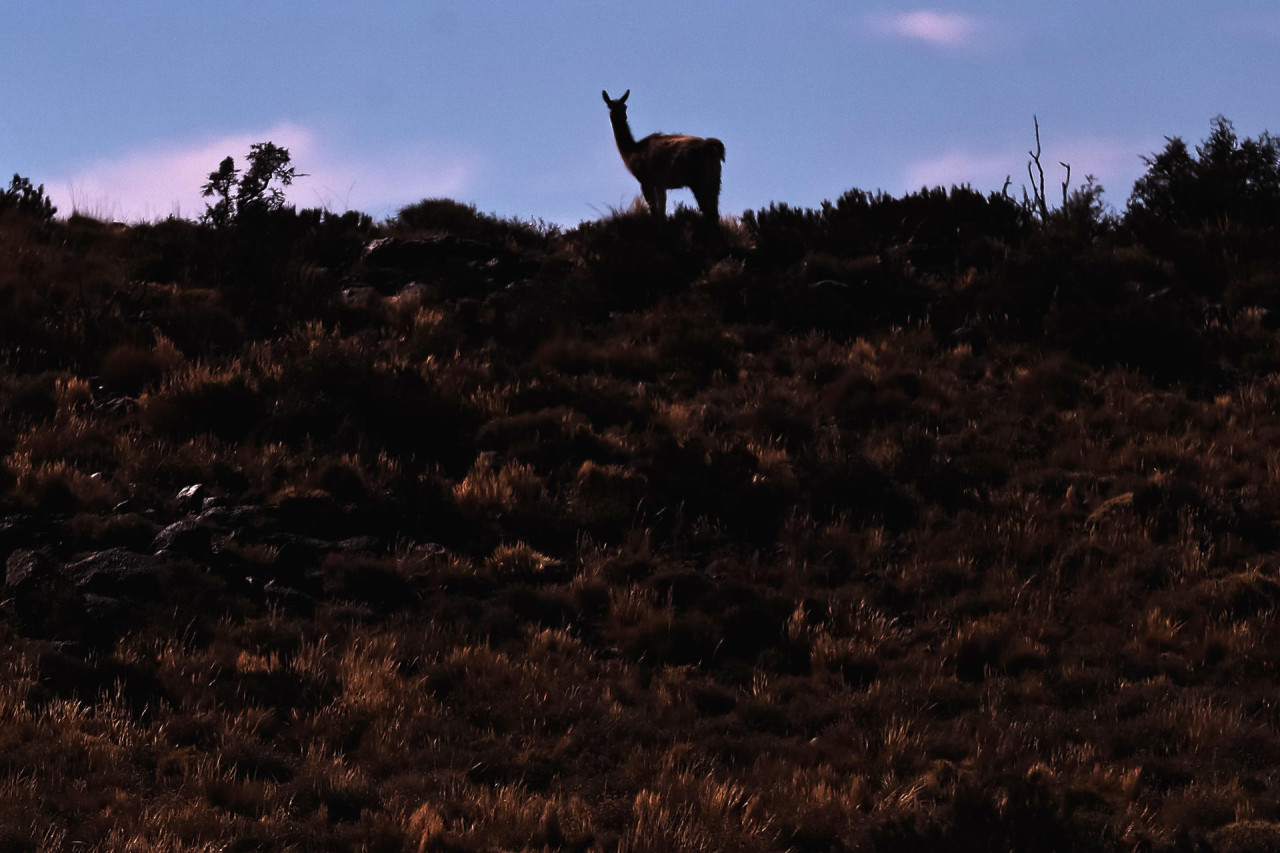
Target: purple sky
(122, 109)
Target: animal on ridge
(664, 161)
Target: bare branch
(1037, 186)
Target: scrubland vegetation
(922, 523)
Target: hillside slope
(901, 524)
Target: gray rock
(296, 554)
(25, 531)
(425, 254)
(107, 611)
(117, 572)
(26, 569)
(184, 537)
(288, 598)
(190, 498)
(361, 544)
(227, 517)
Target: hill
(899, 524)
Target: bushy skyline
(122, 111)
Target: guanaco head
(618, 108)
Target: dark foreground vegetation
(932, 523)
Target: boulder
(26, 531)
(184, 537)
(117, 572)
(191, 498)
(29, 569)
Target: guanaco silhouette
(664, 161)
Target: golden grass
(678, 574)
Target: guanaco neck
(622, 133)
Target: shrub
(1227, 180)
(935, 229)
(632, 260)
(224, 403)
(257, 189)
(130, 369)
(26, 200)
(442, 215)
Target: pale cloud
(939, 29)
(1115, 163)
(165, 180)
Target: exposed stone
(117, 572)
(214, 501)
(361, 544)
(190, 498)
(108, 616)
(183, 537)
(24, 531)
(25, 569)
(297, 553)
(360, 298)
(290, 599)
(424, 255)
(44, 601)
(236, 518)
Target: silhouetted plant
(258, 188)
(933, 228)
(465, 221)
(1227, 180)
(633, 259)
(1037, 202)
(26, 199)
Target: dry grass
(699, 565)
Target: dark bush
(227, 407)
(26, 200)
(936, 230)
(447, 216)
(632, 260)
(1227, 180)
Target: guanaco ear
(605, 95)
(623, 99)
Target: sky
(123, 109)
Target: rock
(108, 616)
(1246, 836)
(360, 298)
(290, 599)
(425, 254)
(24, 531)
(27, 569)
(184, 537)
(455, 264)
(427, 549)
(229, 516)
(190, 498)
(117, 572)
(361, 545)
(44, 600)
(297, 553)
